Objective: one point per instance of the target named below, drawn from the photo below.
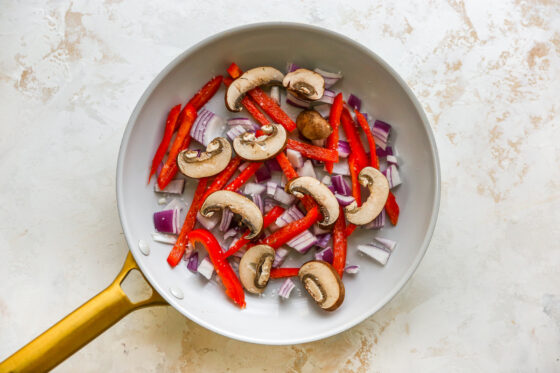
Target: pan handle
(79, 328)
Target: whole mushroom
(323, 283)
(254, 268)
(312, 125)
(214, 160)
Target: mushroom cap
(250, 214)
(378, 187)
(305, 84)
(312, 125)
(248, 80)
(209, 163)
(326, 200)
(323, 283)
(267, 146)
(254, 268)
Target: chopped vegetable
(192, 263)
(334, 121)
(286, 233)
(207, 127)
(252, 188)
(352, 269)
(170, 125)
(307, 169)
(323, 240)
(374, 162)
(167, 221)
(325, 255)
(379, 254)
(164, 238)
(339, 245)
(208, 223)
(343, 149)
(206, 268)
(354, 139)
(225, 221)
(341, 185)
(354, 102)
(206, 93)
(283, 272)
(175, 186)
(295, 157)
(392, 175)
(223, 177)
(381, 132)
(286, 289)
(243, 177)
(330, 78)
(312, 151)
(392, 209)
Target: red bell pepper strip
(286, 166)
(353, 139)
(287, 232)
(314, 152)
(356, 189)
(339, 244)
(283, 272)
(233, 286)
(269, 218)
(374, 162)
(392, 208)
(181, 244)
(334, 120)
(170, 125)
(243, 177)
(223, 177)
(250, 106)
(206, 93)
(265, 102)
(166, 174)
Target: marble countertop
(486, 296)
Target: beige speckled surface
(485, 298)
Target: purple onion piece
(379, 254)
(164, 238)
(307, 169)
(330, 78)
(391, 159)
(268, 205)
(343, 149)
(352, 269)
(323, 109)
(291, 67)
(280, 256)
(225, 222)
(303, 242)
(207, 223)
(235, 132)
(326, 255)
(377, 223)
(381, 132)
(392, 175)
(354, 102)
(206, 268)
(295, 158)
(273, 165)
(323, 240)
(341, 168)
(281, 196)
(167, 221)
(286, 288)
(344, 200)
(257, 199)
(384, 152)
(271, 187)
(263, 174)
(175, 186)
(232, 232)
(192, 262)
(318, 230)
(328, 97)
(341, 186)
(253, 188)
(387, 243)
(297, 102)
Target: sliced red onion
(273, 165)
(268, 205)
(175, 203)
(167, 221)
(381, 132)
(330, 78)
(206, 268)
(341, 168)
(257, 199)
(323, 240)
(326, 255)
(331, 188)
(207, 223)
(392, 175)
(320, 143)
(341, 186)
(343, 149)
(303, 242)
(295, 158)
(307, 169)
(352, 269)
(225, 222)
(344, 200)
(380, 255)
(290, 67)
(235, 131)
(354, 102)
(391, 159)
(275, 94)
(280, 255)
(296, 101)
(263, 174)
(281, 196)
(253, 188)
(175, 186)
(164, 238)
(232, 232)
(246, 123)
(243, 166)
(377, 223)
(271, 187)
(387, 243)
(381, 153)
(326, 180)
(207, 127)
(192, 262)
(286, 288)
(323, 109)
(328, 97)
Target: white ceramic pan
(266, 319)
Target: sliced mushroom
(323, 283)
(267, 146)
(249, 80)
(250, 214)
(254, 268)
(194, 164)
(305, 84)
(312, 125)
(307, 185)
(378, 187)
